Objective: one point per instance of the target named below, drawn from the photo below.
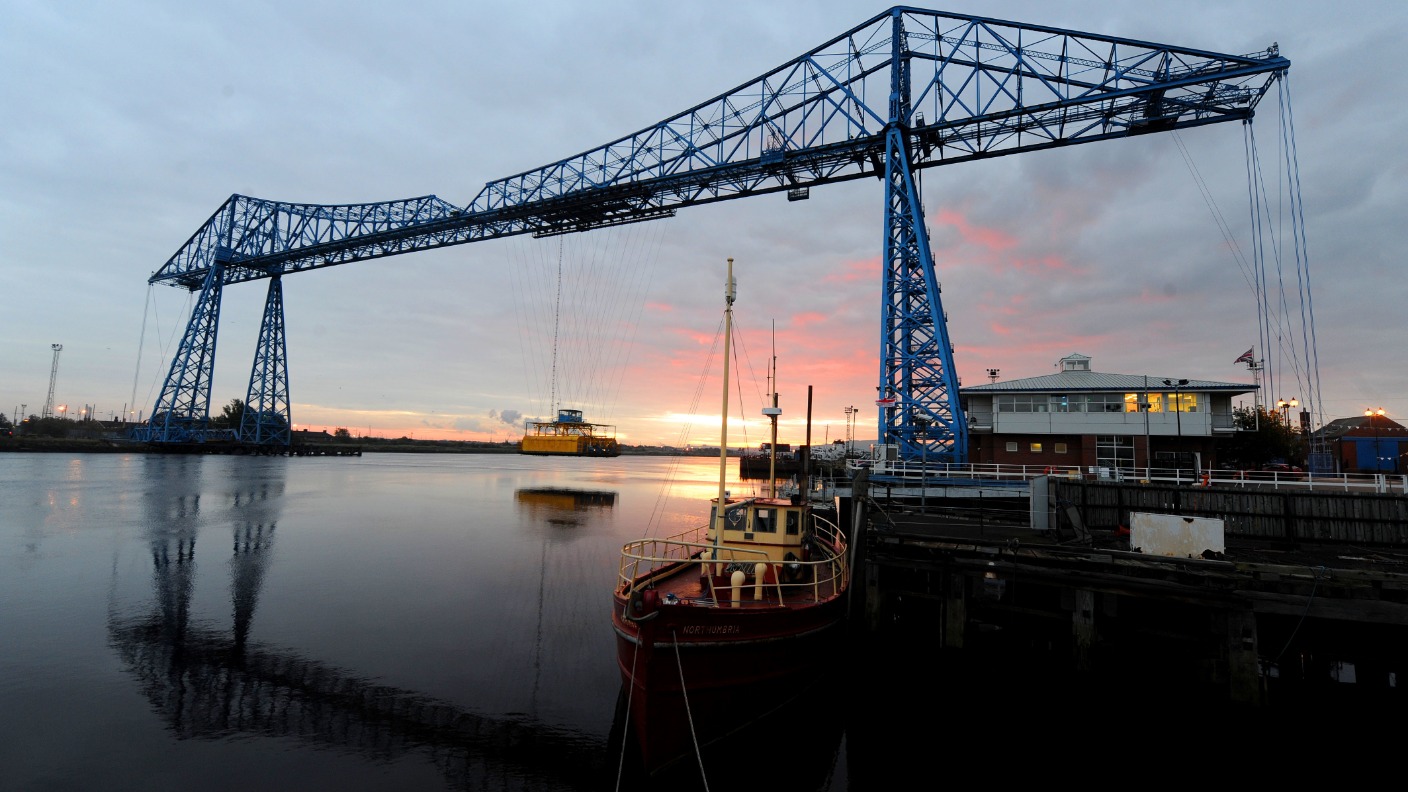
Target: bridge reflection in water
(216, 683)
(211, 683)
(207, 687)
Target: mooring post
(955, 615)
(1243, 667)
(1082, 628)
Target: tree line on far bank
(1261, 438)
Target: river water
(390, 621)
(441, 622)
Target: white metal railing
(972, 471)
(918, 472)
(644, 561)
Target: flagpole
(1252, 364)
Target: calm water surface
(441, 622)
(391, 621)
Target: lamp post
(1177, 403)
(922, 423)
(1178, 413)
(1144, 405)
(1371, 414)
(1281, 405)
(850, 430)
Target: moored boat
(719, 626)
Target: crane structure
(908, 89)
(53, 379)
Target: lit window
(1036, 448)
(1184, 402)
(1059, 448)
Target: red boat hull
(692, 675)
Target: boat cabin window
(793, 522)
(765, 521)
(733, 516)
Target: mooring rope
(679, 663)
(1315, 572)
(630, 693)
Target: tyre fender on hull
(642, 605)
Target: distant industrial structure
(53, 378)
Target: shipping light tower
(53, 377)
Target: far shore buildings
(1371, 443)
(1088, 419)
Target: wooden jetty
(1285, 611)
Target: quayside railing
(934, 473)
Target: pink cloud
(986, 238)
(1050, 263)
(853, 271)
(1155, 297)
(808, 319)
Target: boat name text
(717, 629)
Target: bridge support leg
(918, 385)
(268, 418)
(182, 411)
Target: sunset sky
(127, 125)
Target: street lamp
(850, 430)
(1144, 407)
(922, 423)
(1281, 405)
(1177, 402)
(1371, 415)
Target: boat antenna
(729, 294)
(772, 413)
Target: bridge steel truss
(907, 90)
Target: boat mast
(807, 467)
(772, 413)
(729, 295)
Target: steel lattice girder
(980, 87)
(908, 89)
(182, 411)
(916, 361)
(267, 418)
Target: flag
(1246, 357)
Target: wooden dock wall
(1260, 514)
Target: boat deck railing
(644, 562)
